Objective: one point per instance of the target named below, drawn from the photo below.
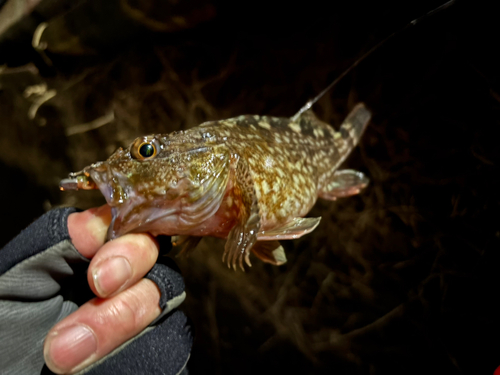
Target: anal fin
(292, 230)
(345, 183)
(270, 252)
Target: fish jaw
(110, 183)
(133, 211)
(127, 219)
(181, 208)
(97, 176)
(178, 216)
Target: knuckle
(124, 313)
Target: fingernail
(69, 347)
(111, 275)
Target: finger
(100, 326)
(88, 229)
(121, 263)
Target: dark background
(400, 279)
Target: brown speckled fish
(250, 179)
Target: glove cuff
(50, 229)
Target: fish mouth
(131, 211)
(175, 210)
(119, 194)
(77, 181)
(98, 176)
(112, 184)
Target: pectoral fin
(345, 182)
(294, 229)
(243, 235)
(270, 252)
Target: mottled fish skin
(291, 162)
(246, 178)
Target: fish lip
(116, 189)
(111, 183)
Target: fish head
(158, 184)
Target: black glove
(43, 280)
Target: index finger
(88, 229)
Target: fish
(250, 179)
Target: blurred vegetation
(400, 279)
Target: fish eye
(143, 149)
(147, 150)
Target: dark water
(400, 279)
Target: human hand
(126, 305)
(116, 273)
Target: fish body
(250, 179)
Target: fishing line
(310, 103)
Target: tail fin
(349, 134)
(332, 183)
(355, 123)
